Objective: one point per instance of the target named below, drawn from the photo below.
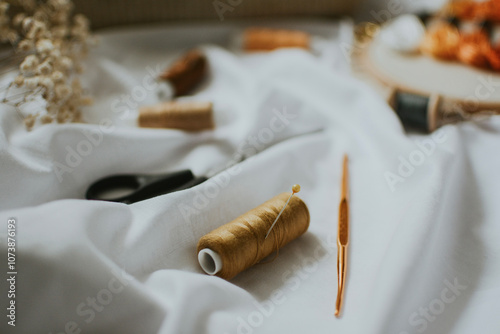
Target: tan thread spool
(261, 39)
(187, 72)
(240, 244)
(188, 116)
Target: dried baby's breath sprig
(49, 46)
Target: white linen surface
(437, 228)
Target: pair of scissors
(132, 188)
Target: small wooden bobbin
(187, 72)
(261, 39)
(188, 116)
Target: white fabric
(138, 263)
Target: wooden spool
(188, 116)
(263, 39)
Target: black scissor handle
(134, 188)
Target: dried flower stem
(49, 44)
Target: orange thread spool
(262, 39)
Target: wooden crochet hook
(342, 237)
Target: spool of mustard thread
(263, 39)
(188, 116)
(240, 244)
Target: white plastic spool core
(210, 261)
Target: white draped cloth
(424, 252)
